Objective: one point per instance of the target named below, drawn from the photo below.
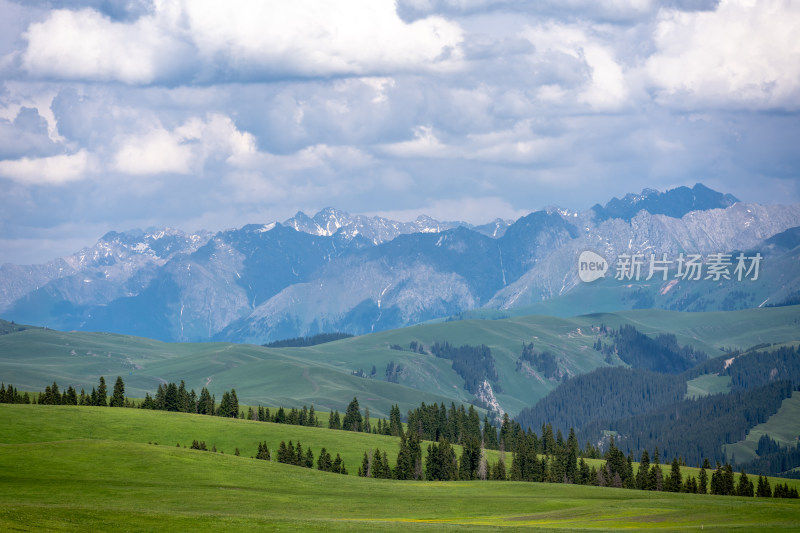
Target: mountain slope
(361, 274)
(328, 374)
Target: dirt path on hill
(308, 378)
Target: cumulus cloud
(53, 170)
(206, 40)
(25, 135)
(424, 144)
(591, 72)
(86, 45)
(608, 10)
(453, 108)
(519, 144)
(744, 54)
(184, 149)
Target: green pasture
(91, 469)
(323, 374)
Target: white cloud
(239, 39)
(185, 149)
(319, 157)
(601, 81)
(608, 89)
(746, 53)
(54, 170)
(155, 152)
(610, 10)
(424, 144)
(518, 144)
(86, 45)
(470, 209)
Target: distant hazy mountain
(357, 274)
(674, 203)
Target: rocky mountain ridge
(337, 272)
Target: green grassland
(783, 427)
(707, 384)
(322, 375)
(91, 469)
(39, 423)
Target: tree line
(474, 364)
(52, 395)
(658, 354)
(553, 459)
(649, 409)
(698, 428)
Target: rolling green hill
(90, 469)
(323, 374)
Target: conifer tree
(309, 460)
(324, 462)
(404, 468)
(263, 451)
(337, 466)
(702, 478)
(489, 435)
(182, 398)
(102, 392)
(729, 485)
(118, 396)
(441, 463)
(395, 424)
(233, 408)
(204, 406)
(470, 459)
(171, 398)
(352, 418)
(282, 452)
(334, 422)
(506, 433)
(691, 485)
(584, 473)
(656, 476)
(70, 397)
(55, 395)
(364, 470)
(499, 470)
(745, 486)
(764, 490)
(674, 482)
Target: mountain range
(360, 274)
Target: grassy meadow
(92, 469)
(323, 374)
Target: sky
(200, 114)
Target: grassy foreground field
(90, 469)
